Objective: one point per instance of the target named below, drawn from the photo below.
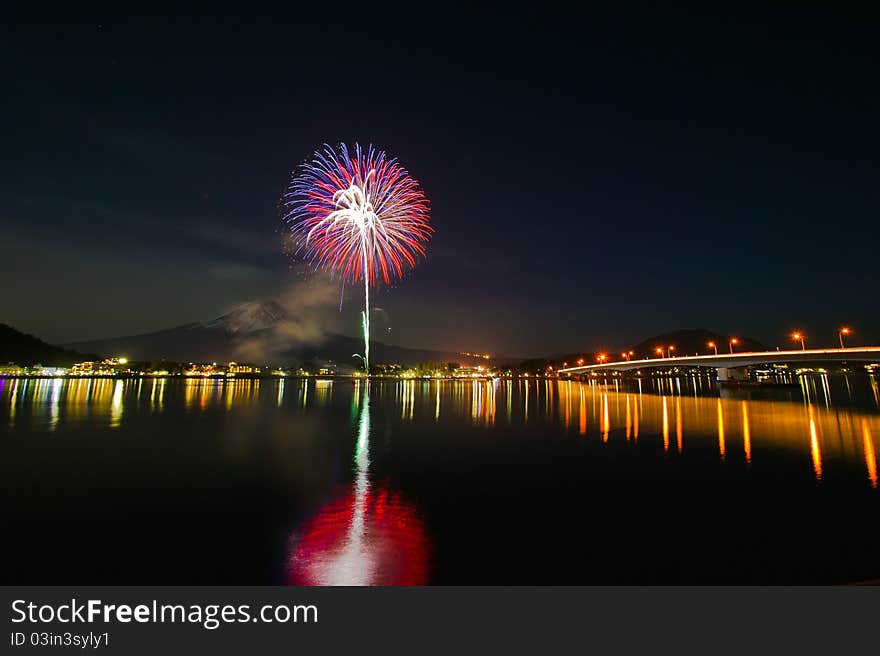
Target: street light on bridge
(713, 345)
(602, 357)
(798, 336)
(670, 350)
(840, 333)
(659, 351)
(733, 342)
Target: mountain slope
(24, 349)
(260, 332)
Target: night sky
(594, 179)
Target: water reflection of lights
(870, 458)
(678, 428)
(814, 445)
(665, 426)
(637, 413)
(408, 394)
(371, 536)
(323, 391)
(116, 405)
(483, 399)
(747, 434)
(55, 403)
(12, 402)
(582, 414)
(606, 420)
(566, 395)
(157, 394)
(826, 437)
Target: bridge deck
(728, 360)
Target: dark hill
(24, 349)
(690, 341)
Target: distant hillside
(24, 349)
(689, 341)
(258, 332)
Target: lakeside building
(236, 368)
(106, 367)
(11, 369)
(205, 369)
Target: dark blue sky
(594, 178)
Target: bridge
(732, 366)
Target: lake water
(185, 481)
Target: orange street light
(713, 345)
(799, 337)
(625, 355)
(670, 350)
(840, 333)
(580, 361)
(632, 353)
(659, 351)
(733, 342)
(602, 357)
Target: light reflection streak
(369, 537)
(720, 430)
(665, 426)
(606, 423)
(628, 425)
(323, 391)
(747, 434)
(55, 403)
(116, 405)
(637, 413)
(404, 401)
(870, 457)
(678, 425)
(582, 414)
(12, 404)
(814, 445)
(493, 388)
(567, 394)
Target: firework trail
(359, 215)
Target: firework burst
(359, 215)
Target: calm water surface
(508, 481)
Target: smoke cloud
(275, 330)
